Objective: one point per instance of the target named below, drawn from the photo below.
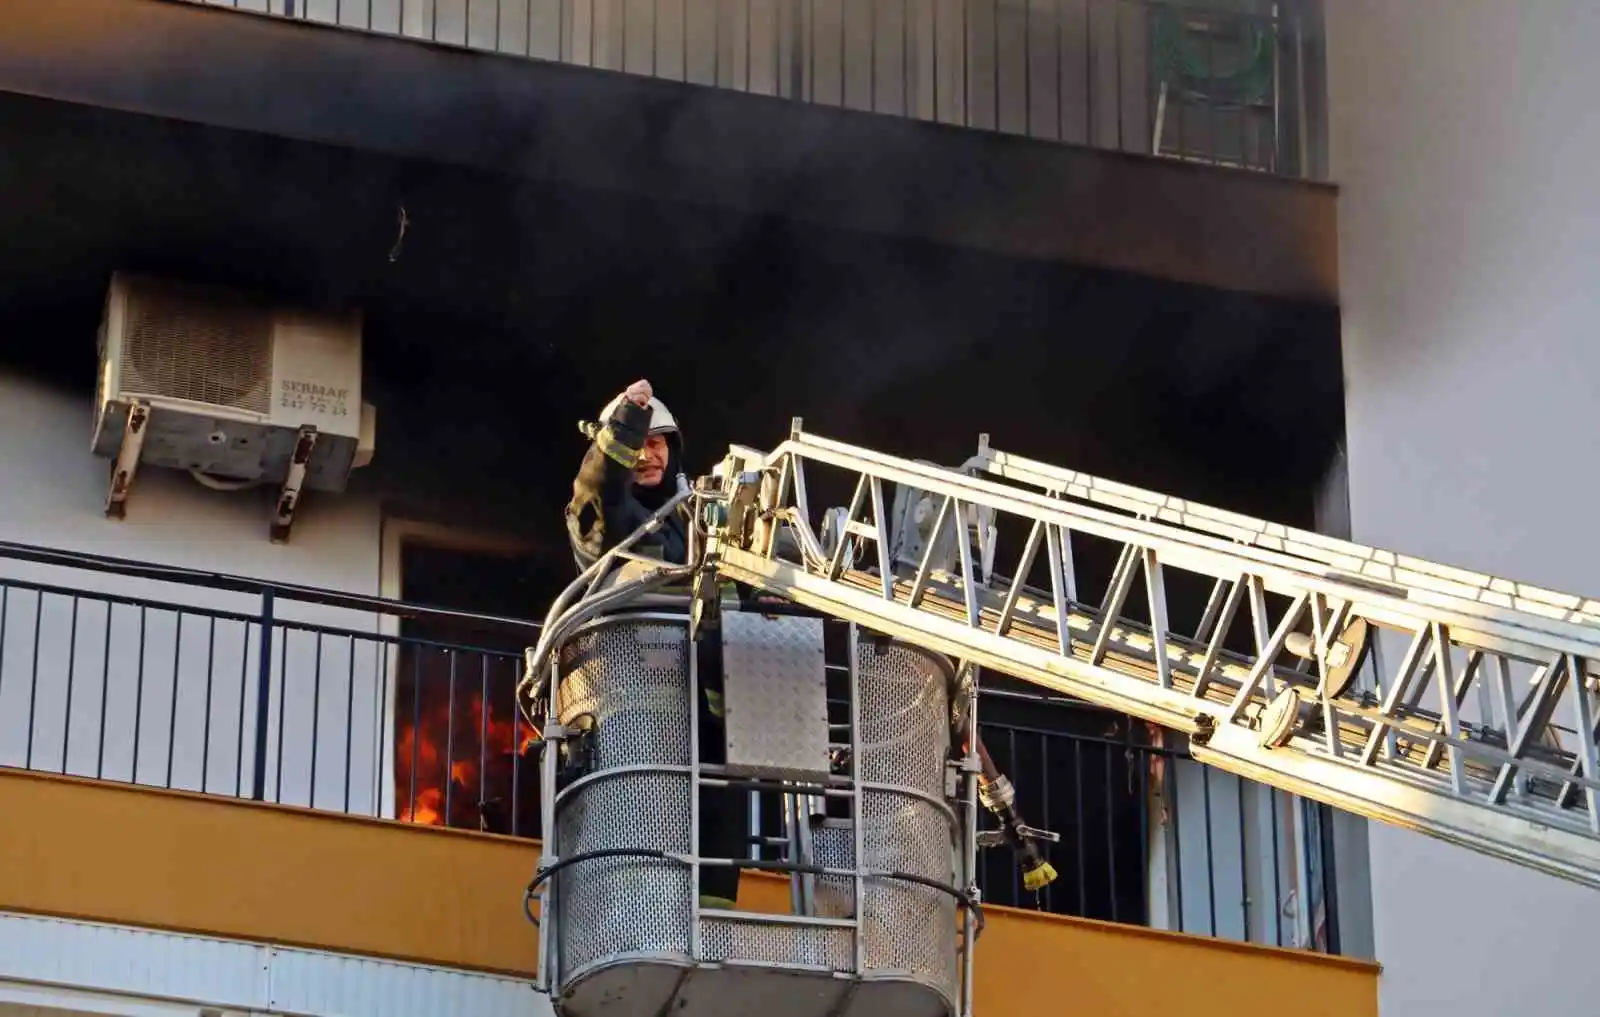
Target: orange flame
(468, 754)
(427, 810)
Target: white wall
(1464, 140)
(198, 684)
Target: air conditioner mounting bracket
(126, 462)
(289, 498)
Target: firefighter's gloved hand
(639, 393)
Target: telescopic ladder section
(1416, 694)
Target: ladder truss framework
(1428, 697)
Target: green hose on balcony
(1181, 63)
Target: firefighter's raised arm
(635, 446)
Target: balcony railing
(145, 674)
(1215, 81)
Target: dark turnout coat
(607, 505)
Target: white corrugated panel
(22, 1000)
(309, 982)
(134, 961)
(235, 975)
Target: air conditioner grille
(206, 348)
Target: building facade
(287, 778)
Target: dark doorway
(464, 757)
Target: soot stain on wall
(510, 310)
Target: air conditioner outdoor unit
(229, 387)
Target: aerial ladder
(1429, 697)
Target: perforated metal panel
(622, 926)
(905, 740)
(905, 730)
(908, 927)
(833, 845)
(631, 678)
(185, 342)
(768, 943)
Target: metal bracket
(705, 608)
(998, 838)
(743, 492)
(289, 498)
(126, 464)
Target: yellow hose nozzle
(1039, 877)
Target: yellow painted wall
(170, 860)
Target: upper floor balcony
(1143, 137)
(1225, 82)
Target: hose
(590, 576)
(544, 874)
(1249, 81)
(535, 682)
(557, 621)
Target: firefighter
(629, 472)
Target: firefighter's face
(652, 461)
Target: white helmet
(661, 419)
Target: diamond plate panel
(775, 694)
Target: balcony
(998, 128)
(120, 673)
(1222, 82)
